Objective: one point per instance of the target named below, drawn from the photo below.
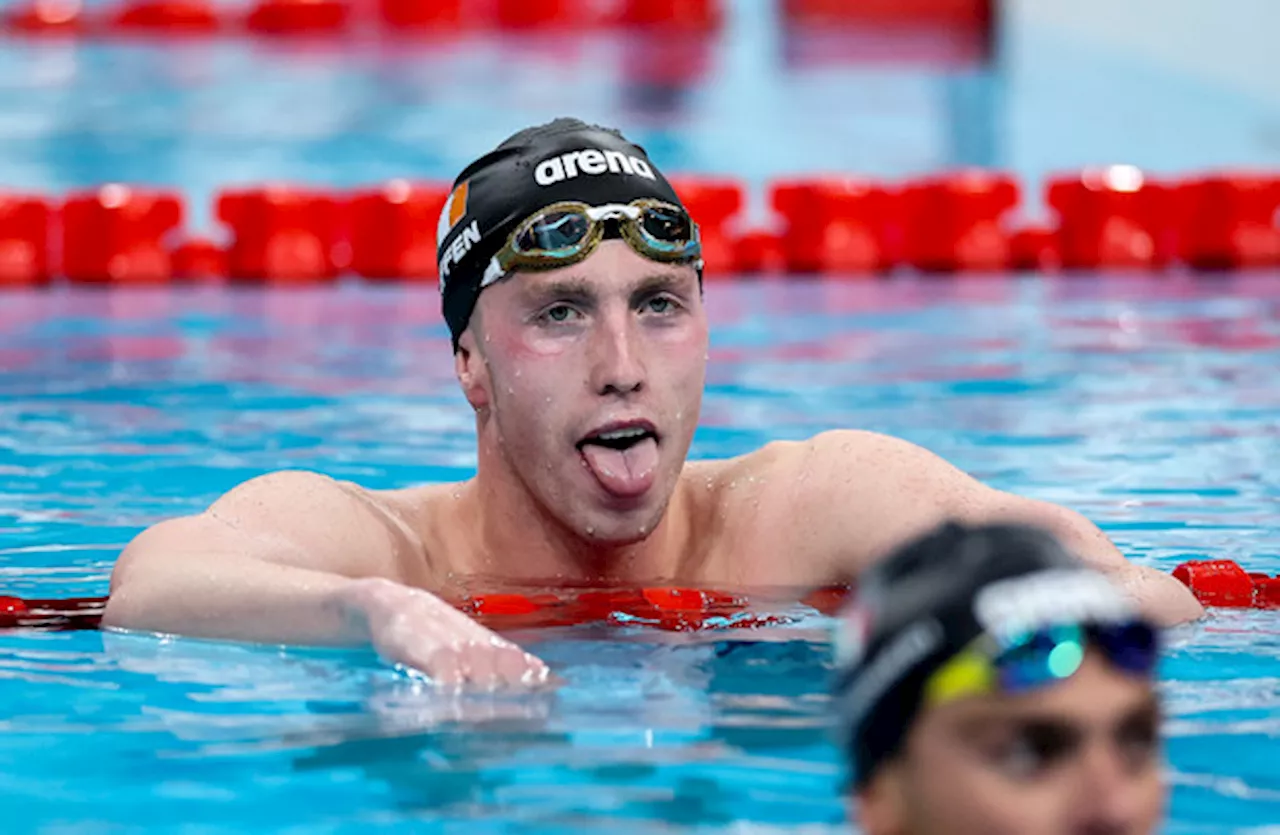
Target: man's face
(593, 378)
(1080, 757)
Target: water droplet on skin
(644, 529)
(591, 531)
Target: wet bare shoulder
(424, 515)
(750, 504)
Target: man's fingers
(450, 648)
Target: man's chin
(621, 526)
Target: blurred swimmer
(989, 682)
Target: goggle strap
(492, 273)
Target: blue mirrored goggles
(1041, 658)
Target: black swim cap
(928, 601)
(566, 159)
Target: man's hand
(416, 629)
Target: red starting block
(47, 17)
(1112, 217)
(282, 234)
(1229, 221)
(116, 235)
(298, 17)
(24, 240)
(1224, 583)
(956, 221)
(169, 17)
(393, 229)
(712, 203)
(834, 224)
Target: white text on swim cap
(1055, 597)
(591, 162)
(890, 666)
(468, 237)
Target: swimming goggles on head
(567, 232)
(1040, 658)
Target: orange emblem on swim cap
(455, 208)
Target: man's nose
(1113, 800)
(618, 366)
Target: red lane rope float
(115, 235)
(46, 17)
(956, 222)
(57, 614)
(845, 226)
(335, 18)
(1215, 583)
(1229, 222)
(299, 17)
(393, 229)
(1224, 583)
(1114, 217)
(670, 608)
(24, 241)
(421, 15)
(167, 17)
(283, 234)
(833, 225)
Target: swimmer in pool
(988, 681)
(571, 283)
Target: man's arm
(909, 490)
(298, 558)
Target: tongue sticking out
(623, 472)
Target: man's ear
(472, 370)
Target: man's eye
(661, 304)
(1032, 751)
(559, 313)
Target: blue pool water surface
(1149, 404)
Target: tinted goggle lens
(554, 232)
(562, 231)
(668, 226)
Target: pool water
(1150, 405)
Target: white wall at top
(1170, 85)
(1228, 42)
